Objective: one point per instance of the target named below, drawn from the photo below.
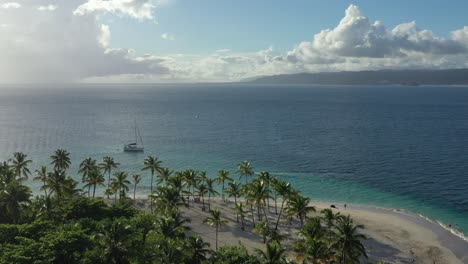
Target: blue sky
(224, 40)
(242, 25)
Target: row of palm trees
(336, 237)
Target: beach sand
(393, 237)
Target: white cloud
(62, 47)
(140, 9)
(167, 36)
(72, 44)
(10, 5)
(47, 8)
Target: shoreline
(395, 235)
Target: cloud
(10, 5)
(356, 43)
(139, 9)
(62, 47)
(47, 8)
(73, 44)
(167, 36)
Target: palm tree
(13, 197)
(153, 164)
(172, 226)
(202, 189)
(42, 175)
(330, 217)
(257, 193)
(234, 189)
(108, 164)
(266, 179)
(273, 254)
(190, 178)
(215, 220)
(167, 198)
(223, 176)
(86, 167)
(210, 190)
(61, 160)
(121, 183)
(262, 229)
(244, 169)
(60, 184)
(164, 175)
(94, 178)
(285, 190)
(240, 213)
(349, 240)
(298, 205)
(136, 180)
(114, 238)
(20, 164)
(198, 248)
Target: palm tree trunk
(134, 191)
(89, 190)
(224, 200)
(279, 216)
(203, 202)
(216, 237)
(235, 199)
(152, 174)
(108, 182)
(94, 190)
(209, 202)
(276, 205)
(242, 223)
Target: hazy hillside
(406, 77)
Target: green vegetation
(69, 222)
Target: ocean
(386, 146)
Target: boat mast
(136, 137)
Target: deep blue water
(392, 146)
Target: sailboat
(135, 146)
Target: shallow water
(391, 146)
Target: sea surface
(388, 146)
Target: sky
(221, 40)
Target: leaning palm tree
(285, 190)
(245, 169)
(349, 240)
(42, 176)
(20, 164)
(94, 179)
(223, 176)
(234, 190)
(136, 180)
(121, 183)
(108, 164)
(298, 205)
(198, 249)
(215, 220)
(153, 164)
(273, 254)
(262, 229)
(210, 190)
(241, 212)
(61, 160)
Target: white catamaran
(135, 146)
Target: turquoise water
(389, 146)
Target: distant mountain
(383, 77)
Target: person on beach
(345, 206)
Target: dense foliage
(67, 222)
